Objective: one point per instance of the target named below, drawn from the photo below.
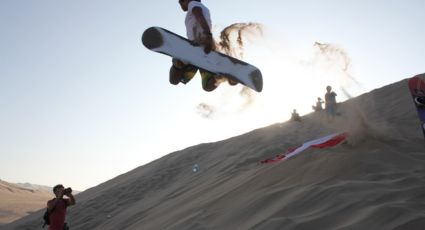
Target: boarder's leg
(209, 81)
(175, 75)
(181, 72)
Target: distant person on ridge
(295, 116)
(198, 30)
(330, 102)
(318, 106)
(57, 207)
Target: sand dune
(376, 180)
(17, 201)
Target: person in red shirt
(57, 207)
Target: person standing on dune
(330, 102)
(318, 106)
(56, 207)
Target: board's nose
(152, 38)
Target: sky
(83, 101)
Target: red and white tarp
(324, 142)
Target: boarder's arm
(71, 199)
(208, 42)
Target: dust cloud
(232, 42)
(336, 56)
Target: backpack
(46, 217)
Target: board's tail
(257, 79)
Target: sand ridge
(373, 181)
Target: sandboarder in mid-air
(198, 30)
(198, 53)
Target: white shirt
(194, 29)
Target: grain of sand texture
(375, 180)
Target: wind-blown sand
(374, 181)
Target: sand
(375, 180)
(17, 201)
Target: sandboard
(166, 42)
(417, 89)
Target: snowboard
(166, 42)
(417, 89)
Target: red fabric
(57, 217)
(278, 157)
(275, 159)
(332, 142)
(329, 143)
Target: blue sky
(83, 101)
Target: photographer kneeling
(57, 207)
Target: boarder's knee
(210, 85)
(175, 75)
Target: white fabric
(310, 143)
(193, 28)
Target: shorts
(189, 71)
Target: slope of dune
(375, 180)
(17, 201)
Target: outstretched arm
(207, 42)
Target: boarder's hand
(208, 43)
